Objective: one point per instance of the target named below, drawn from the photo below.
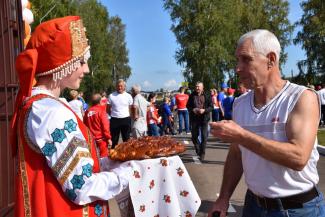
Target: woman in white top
(75, 104)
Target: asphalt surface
(207, 176)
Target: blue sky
(152, 45)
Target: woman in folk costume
(58, 170)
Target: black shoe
(202, 157)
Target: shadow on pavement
(217, 146)
(212, 162)
(188, 158)
(206, 205)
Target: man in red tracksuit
(96, 120)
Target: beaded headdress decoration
(80, 52)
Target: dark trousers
(311, 208)
(199, 127)
(216, 115)
(120, 125)
(167, 124)
(153, 130)
(183, 115)
(323, 114)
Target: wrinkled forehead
(120, 84)
(246, 47)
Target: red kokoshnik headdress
(56, 47)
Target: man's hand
(201, 111)
(109, 142)
(221, 205)
(227, 131)
(196, 110)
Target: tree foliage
(106, 38)
(312, 38)
(117, 46)
(207, 32)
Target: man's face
(242, 89)
(133, 93)
(199, 88)
(120, 87)
(251, 67)
(73, 80)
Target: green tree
(207, 32)
(96, 20)
(271, 15)
(312, 38)
(106, 38)
(48, 9)
(117, 46)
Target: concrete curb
(321, 149)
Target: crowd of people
(272, 130)
(131, 114)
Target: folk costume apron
(38, 192)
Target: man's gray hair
(136, 88)
(199, 82)
(263, 42)
(119, 81)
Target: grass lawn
(321, 137)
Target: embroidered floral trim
(71, 194)
(85, 211)
(87, 170)
(77, 181)
(30, 144)
(58, 135)
(67, 153)
(70, 126)
(24, 180)
(98, 210)
(90, 141)
(79, 41)
(73, 165)
(49, 149)
(69, 67)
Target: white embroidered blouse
(52, 129)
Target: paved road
(207, 176)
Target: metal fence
(10, 46)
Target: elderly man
(140, 107)
(58, 170)
(273, 137)
(118, 106)
(199, 106)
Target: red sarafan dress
(41, 189)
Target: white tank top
(264, 177)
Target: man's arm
(189, 104)
(108, 109)
(301, 130)
(232, 173)
(105, 125)
(208, 104)
(219, 99)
